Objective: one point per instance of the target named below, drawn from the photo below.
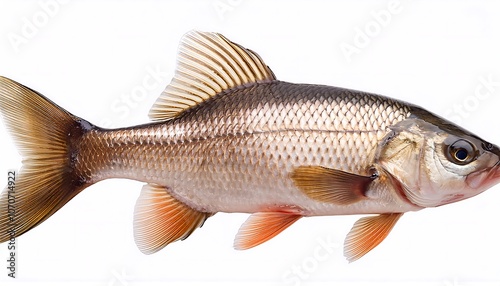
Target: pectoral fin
(261, 227)
(367, 233)
(330, 185)
(160, 219)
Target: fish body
(227, 136)
(235, 153)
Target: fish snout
(483, 179)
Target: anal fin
(160, 219)
(367, 233)
(261, 227)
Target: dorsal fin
(207, 64)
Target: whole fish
(227, 136)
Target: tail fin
(45, 135)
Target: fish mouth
(485, 178)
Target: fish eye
(461, 152)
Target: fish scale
(253, 150)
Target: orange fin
(330, 185)
(367, 233)
(160, 219)
(261, 227)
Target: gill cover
(437, 162)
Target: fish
(227, 136)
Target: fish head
(436, 162)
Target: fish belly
(249, 172)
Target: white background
(91, 57)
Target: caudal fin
(45, 135)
